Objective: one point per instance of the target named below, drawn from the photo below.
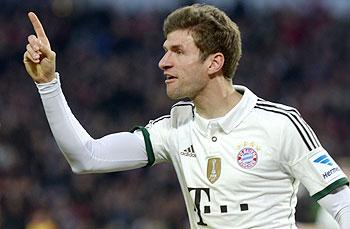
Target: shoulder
(181, 113)
(277, 112)
(279, 116)
(274, 119)
(288, 120)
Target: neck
(216, 99)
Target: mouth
(169, 78)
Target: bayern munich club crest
(247, 158)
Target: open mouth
(169, 78)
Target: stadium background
(294, 52)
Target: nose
(165, 62)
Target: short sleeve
(306, 160)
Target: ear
(216, 62)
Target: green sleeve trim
(330, 188)
(149, 148)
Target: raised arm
(115, 152)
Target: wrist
(49, 87)
(44, 80)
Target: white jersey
(238, 171)
(242, 170)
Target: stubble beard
(175, 93)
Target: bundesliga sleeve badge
(247, 158)
(325, 166)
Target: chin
(174, 96)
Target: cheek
(193, 69)
(195, 79)
(191, 72)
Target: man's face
(186, 74)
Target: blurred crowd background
(107, 56)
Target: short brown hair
(212, 31)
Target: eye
(178, 51)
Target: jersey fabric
(242, 170)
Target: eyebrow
(173, 47)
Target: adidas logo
(323, 159)
(189, 152)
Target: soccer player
(239, 159)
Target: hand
(39, 59)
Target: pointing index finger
(38, 28)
